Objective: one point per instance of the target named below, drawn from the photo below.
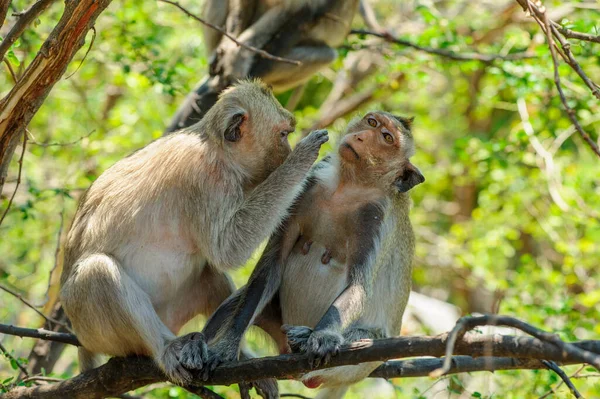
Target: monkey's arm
(262, 210)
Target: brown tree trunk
(28, 94)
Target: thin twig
(86, 53)
(31, 306)
(470, 56)
(11, 70)
(12, 358)
(203, 392)
(294, 395)
(41, 378)
(18, 179)
(56, 250)
(465, 324)
(571, 34)
(258, 51)
(39, 333)
(554, 367)
(64, 144)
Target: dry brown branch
(469, 56)
(256, 50)
(571, 34)
(12, 359)
(121, 375)
(48, 66)
(31, 306)
(25, 18)
(12, 197)
(465, 324)
(552, 33)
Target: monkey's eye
(372, 122)
(388, 138)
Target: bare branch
(40, 333)
(571, 34)
(3, 11)
(121, 375)
(25, 18)
(31, 306)
(258, 51)
(465, 324)
(24, 146)
(470, 56)
(554, 367)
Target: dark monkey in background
(155, 233)
(339, 269)
(307, 31)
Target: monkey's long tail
(333, 392)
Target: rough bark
(121, 375)
(26, 97)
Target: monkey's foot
(267, 389)
(223, 352)
(181, 355)
(297, 337)
(320, 345)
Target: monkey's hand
(183, 354)
(320, 345)
(307, 150)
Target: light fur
(154, 234)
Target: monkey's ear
(233, 131)
(411, 176)
(406, 122)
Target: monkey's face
(377, 139)
(377, 148)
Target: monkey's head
(252, 127)
(377, 148)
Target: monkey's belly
(309, 287)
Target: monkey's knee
(104, 306)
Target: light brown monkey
(340, 268)
(154, 235)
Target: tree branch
(470, 56)
(25, 18)
(554, 367)
(121, 375)
(40, 333)
(48, 66)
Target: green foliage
(491, 217)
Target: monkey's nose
(358, 138)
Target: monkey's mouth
(352, 149)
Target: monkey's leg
(220, 292)
(283, 76)
(111, 314)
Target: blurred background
(507, 220)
